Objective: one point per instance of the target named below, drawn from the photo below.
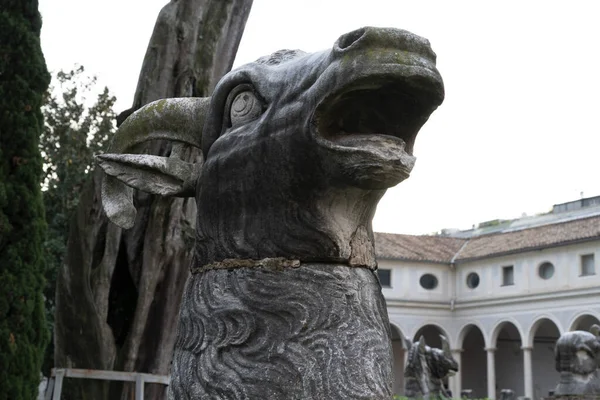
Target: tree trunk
(118, 293)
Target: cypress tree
(23, 81)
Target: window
(472, 280)
(385, 277)
(428, 281)
(546, 270)
(587, 265)
(508, 275)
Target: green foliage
(75, 130)
(23, 81)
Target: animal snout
(382, 38)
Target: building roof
(531, 239)
(446, 249)
(439, 249)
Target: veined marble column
(491, 372)
(527, 371)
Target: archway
(398, 350)
(431, 333)
(473, 362)
(584, 322)
(509, 359)
(545, 334)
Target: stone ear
(179, 120)
(445, 346)
(595, 330)
(165, 176)
(407, 342)
(422, 343)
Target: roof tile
(417, 248)
(444, 248)
(532, 238)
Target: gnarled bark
(118, 293)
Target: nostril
(350, 38)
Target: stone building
(502, 294)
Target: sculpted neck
(329, 226)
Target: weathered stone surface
(426, 369)
(298, 149)
(577, 357)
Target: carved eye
(245, 107)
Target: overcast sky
(517, 133)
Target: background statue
(507, 394)
(426, 369)
(577, 356)
(283, 301)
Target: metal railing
(54, 388)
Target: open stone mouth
(386, 110)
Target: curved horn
(176, 119)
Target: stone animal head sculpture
(426, 368)
(297, 151)
(577, 357)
